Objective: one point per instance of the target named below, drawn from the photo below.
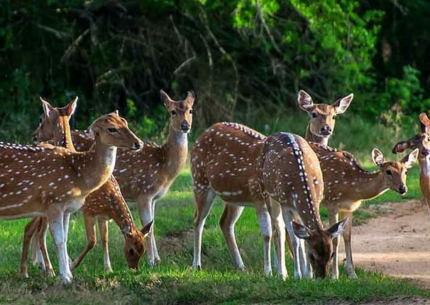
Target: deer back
(224, 157)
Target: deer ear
(425, 122)
(305, 101)
(377, 157)
(300, 230)
(71, 107)
(400, 147)
(47, 108)
(146, 229)
(411, 158)
(342, 104)
(190, 97)
(166, 99)
(338, 228)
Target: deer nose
(326, 130)
(137, 145)
(403, 189)
(185, 126)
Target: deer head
(320, 245)
(322, 116)
(181, 112)
(420, 141)
(395, 172)
(53, 121)
(112, 130)
(134, 245)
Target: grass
(175, 282)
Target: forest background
(245, 60)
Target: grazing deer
(147, 175)
(291, 177)
(102, 205)
(224, 163)
(421, 142)
(53, 182)
(322, 116)
(347, 184)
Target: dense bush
(245, 60)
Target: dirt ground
(396, 243)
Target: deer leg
(204, 202)
(29, 230)
(154, 245)
(348, 249)
(228, 220)
(300, 259)
(66, 221)
(56, 227)
(43, 250)
(333, 217)
(278, 236)
(104, 234)
(266, 231)
(90, 230)
(144, 206)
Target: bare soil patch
(396, 243)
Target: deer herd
(284, 177)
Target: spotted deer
(53, 182)
(421, 142)
(292, 180)
(347, 184)
(322, 116)
(224, 163)
(101, 205)
(146, 176)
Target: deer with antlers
(421, 142)
(347, 184)
(101, 205)
(53, 182)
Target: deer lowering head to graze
(347, 184)
(52, 181)
(147, 175)
(421, 142)
(102, 205)
(322, 116)
(224, 163)
(292, 180)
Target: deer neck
(424, 166)
(176, 150)
(97, 164)
(370, 184)
(66, 136)
(310, 137)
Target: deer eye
(312, 257)
(192, 111)
(112, 129)
(173, 112)
(334, 117)
(314, 115)
(389, 173)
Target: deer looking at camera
(421, 142)
(291, 178)
(322, 116)
(224, 162)
(146, 176)
(101, 205)
(53, 182)
(347, 184)
(238, 167)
